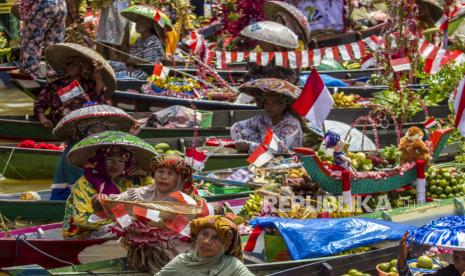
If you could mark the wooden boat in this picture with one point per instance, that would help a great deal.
(19, 247)
(320, 174)
(41, 163)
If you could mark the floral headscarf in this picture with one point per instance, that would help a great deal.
(226, 230)
(179, 165)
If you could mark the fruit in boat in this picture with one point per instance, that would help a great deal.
(445, 182)
(385, 267)
(392, 273)
(393, 263)
(162, 146)
(425, 262)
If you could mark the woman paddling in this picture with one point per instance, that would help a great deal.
(218, 250)
(150, 46)
(275, 96)
(113, 162)
(151, 247)
(88, 78)
(74, 127)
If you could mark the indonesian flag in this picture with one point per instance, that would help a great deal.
(315, 102)
(196, 159)
(145, 213)
(256, 241)
(459, 106)
(180, 225)
(368, 61)
(160, 71)
(260, 156)
(195, 42)
(271, 140)
(431, 122)
(443, 22)
(158, 19)
(434, 63)
(183, 198)
(70, 91)
(401, 64)
(122, 217)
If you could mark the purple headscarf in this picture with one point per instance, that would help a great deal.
(96, 174)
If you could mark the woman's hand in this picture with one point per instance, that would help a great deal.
(98, 69)
(45, 121)
(242, 147)
(403, 252)
(97, 202)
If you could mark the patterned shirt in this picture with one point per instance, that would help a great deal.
(49, 99)
(79, 206)
(254, 129)
(150, 49)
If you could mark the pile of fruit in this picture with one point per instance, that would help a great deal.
(252, 207)
(355, 272)
(342, 100)
(425, 262)
(357, 250)
(164, 148)
(360, 161)
(348, 65)
(389, 268)
(444, 183)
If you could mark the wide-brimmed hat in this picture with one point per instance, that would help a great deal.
(446, 232)
(115, 117)
(58, 55)
(273, 33)
(270, 86)
(159, 18)
(299, 21)
(142, 152)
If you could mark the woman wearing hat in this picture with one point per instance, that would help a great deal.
(218, 250)
(150, 46)
(109, 159)
(270, 37)
(74, 127)
(275, 96)
(87, 78)
(147, 244)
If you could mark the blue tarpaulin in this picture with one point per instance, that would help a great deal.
(443, 232)
(313, 238)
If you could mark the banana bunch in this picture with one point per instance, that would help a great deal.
(342, 100)
(298, 212)
(351, 66)
(331, 203)
(252, 206)
(296, 173)
(357, 250)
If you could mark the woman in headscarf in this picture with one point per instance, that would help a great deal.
(74, 127)
(276, 97)
(149, 247)
(150, 46)
(113, 162)
(218, 250)
(87, 79)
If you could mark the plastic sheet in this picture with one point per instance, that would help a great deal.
(313, 238)
(444, 232)
(327, 80)
(175, 116)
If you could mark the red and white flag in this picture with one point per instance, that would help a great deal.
(260, 156)
(431, 122)
(443, 22)
(401, 64)
(315, 102)
(160, 71)
(70, 91)
(158, 19)
(196, 42)
(459, 106)
(256, 241)
(150, 214)
(434, 63)
(180, 225)
(271, 140)
(122, 217)
(368, 61)
(183, 198)
(196, 159)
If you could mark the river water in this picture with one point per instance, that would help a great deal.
(14, 102)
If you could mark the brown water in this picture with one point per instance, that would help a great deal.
(14, 102)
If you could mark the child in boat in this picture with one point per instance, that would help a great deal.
(109, 159)
(150, 248)
(218, 250)
(276, 97)
(455, 269)
(149, 47)
(94, 76)
(76, 126)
